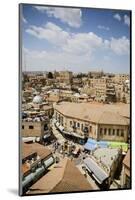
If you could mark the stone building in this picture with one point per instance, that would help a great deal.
(36, 159)
(34, 129)
(63, 77)
(98, 121)
(121, 78)
(104, 89)
(95, 74)
(126, 170)
(102, 165)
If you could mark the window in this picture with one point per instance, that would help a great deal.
(105, 131)
(31, 127)
(45, 127)
(22, 126)
(62, 120)
(90, 128)
(70, 123)
(117, 132)
(109, 131)
(82, 126)
(74, 124)
(113, 131)
(101, 130)
(122, 133)
(78, 125)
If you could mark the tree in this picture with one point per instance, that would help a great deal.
(50, 75)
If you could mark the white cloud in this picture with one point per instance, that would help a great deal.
(106, 44)
(79, 43)
(120, 46)
(71, 16)
(103, 27)
(51, 32)
(83, 43)
(127, 20)
(117, 17)
(43, 60)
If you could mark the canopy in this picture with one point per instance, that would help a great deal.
(91, 144)
(102, 144)
(77, 135)
(61, 128)
(47, 135)
(122, 145)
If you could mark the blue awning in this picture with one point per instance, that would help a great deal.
(102, 144)
(91, 144)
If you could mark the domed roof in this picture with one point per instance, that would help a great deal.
(37, 99)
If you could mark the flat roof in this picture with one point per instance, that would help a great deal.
(41, 150)
(106, 155)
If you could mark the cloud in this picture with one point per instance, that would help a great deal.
(73, 43)
(50, 32)
(78, 43)
(120, 46)
(127, 20)
(117, 17)
(24, 20)
(44, 60)
(40, 60)
(103, 27)
(83, 43)
(71, 16)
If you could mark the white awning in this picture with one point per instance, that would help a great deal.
(57, 124)
(29, 139)
(77, 135)
(37, 139)
(48, 162)
(61, 128)
(47, 135)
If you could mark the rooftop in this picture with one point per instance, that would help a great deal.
(98, 113)
(126, 160)
(41, 150)
(64, 177)
(106, 155)
(33, 150)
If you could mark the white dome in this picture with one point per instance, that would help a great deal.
(37, 99)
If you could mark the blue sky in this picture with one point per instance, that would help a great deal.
(81, 40)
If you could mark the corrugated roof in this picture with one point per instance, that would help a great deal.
(98, 172)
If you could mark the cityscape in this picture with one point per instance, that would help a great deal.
(75, 119)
